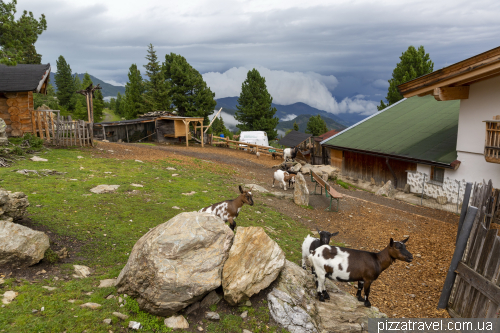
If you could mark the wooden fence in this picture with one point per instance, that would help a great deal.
(476, 291)
(62, 131)
(250, 147)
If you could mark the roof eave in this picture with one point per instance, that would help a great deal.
(395, 157)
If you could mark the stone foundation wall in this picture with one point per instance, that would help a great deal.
(449, 188)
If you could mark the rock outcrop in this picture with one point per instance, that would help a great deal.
(301, 192)
(293, 304)
(20, 245)
(3, 134)
(254, 262)
(176, 263)
(12, 205)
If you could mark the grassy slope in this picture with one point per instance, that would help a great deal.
(110, 224)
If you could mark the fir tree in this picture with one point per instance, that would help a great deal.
(133, 102)
(98, 105)
(119, 105)
(65, 83)
(316, 126)
(295, 126)
(255, 112)
(18, 37)
(156, 95)
(218, 126)
(414, 63)
(189, 92)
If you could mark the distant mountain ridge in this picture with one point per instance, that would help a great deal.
(346, 119)
(107, 89)
(302, 121)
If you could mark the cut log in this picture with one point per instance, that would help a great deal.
(12, 102)
(10, 94)
(13, 110)
(15, 119)
(16, 125)
(16, 132)
(4, 108)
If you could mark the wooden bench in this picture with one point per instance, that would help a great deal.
(330, 192)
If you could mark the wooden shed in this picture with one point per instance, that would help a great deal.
(17, 85)
(133, 130)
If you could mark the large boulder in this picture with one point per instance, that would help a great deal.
(12, 205)
(301, 192)
(21, 246)
(387, 190)
(306, 168)
(176, 263)
(293, 304)
(254, 262)
(3, 133)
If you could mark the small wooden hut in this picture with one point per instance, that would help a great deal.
(17, 85)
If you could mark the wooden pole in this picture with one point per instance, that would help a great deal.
(88, 106)
(211, 121)
(202, 134)
(40, 128)
(45, 118)
(126, 131)
(186, 126)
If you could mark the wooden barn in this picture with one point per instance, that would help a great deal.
(389, 144)
(17, 85)
(319, 153)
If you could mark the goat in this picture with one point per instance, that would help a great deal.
(282, 177)
(290, 153)
(257, 154)
(311, 244)
(347, 265)
(274, 155)
(228, 210)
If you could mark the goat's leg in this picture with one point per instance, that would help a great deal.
(274, 181)
(325, 294)
(358, 294)
(284, 185)
(304, 262)
(367, 285)
(232, 223)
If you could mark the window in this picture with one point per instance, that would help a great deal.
(437, 174)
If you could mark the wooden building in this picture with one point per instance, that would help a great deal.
(319, 153)
(17, 85)
(390, 144)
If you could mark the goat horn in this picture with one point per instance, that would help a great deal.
(318, 230)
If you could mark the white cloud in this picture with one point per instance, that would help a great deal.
(228, 119)
(380, 84)
(289, 117)
(115, 83)
(288, 88)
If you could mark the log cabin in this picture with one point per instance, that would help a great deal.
(17, 85)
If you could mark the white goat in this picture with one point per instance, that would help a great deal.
(282, 177)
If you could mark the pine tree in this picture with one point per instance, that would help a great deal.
(316, 126)
(156, 96)
(218, 126)
(295, 126)
(98, 105)
(18, 37)
(133, 102)
(119, 105)
(65, 83)
(188, 91)
(112, 104)
(255, 112)
(414, 63)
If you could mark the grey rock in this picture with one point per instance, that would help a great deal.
(246, 331)
(301, 192)
(120, 315)
(49, 288)
(110, 297)
(407, 188)
(293, 304)
(248, 303)
(3, 134)
(372, 181)
(442, 200)
(134, 325)
(13, 205)
(20, 245)
(282, 195)
(386, 190)
(107, 321)
(210, 299)
(81, 271)
(99, 189)
(296, 167)
(38, 159)
(9, 296)
(107, 283)
(254, 262)
(256, 188)
(306, 169)
(212, 316)
(176, 322)
(89, 305)
(244, 314)
(163, 263)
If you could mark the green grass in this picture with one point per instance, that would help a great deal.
(109, 115)
(108, 225)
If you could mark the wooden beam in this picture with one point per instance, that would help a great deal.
(202, 134)
(479, 282)
(451, 93)
(212, 120)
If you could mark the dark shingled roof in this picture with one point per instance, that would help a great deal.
(294, 138)
(22, 77)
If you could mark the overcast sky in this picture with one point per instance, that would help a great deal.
(334, 55)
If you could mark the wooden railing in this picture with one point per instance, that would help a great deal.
(492, 142)
(250, 147)
(49, 126)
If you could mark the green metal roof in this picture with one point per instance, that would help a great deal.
(415, 128)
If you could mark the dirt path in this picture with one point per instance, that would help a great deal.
(365, 222)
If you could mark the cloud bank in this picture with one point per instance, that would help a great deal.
(288, 88)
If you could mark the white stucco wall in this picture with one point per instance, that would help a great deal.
(450, 187)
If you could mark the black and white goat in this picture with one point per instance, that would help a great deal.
(347, 265)
(228, 210)
(310, 244)
(290, 153)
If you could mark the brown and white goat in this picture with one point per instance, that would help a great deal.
(311, 243)
(347, 265)
(228, 210)
(284, 176)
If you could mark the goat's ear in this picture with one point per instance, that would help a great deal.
(334, 234)
(404, 241)
(241, 190)
(391, 243)
(319, 231)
